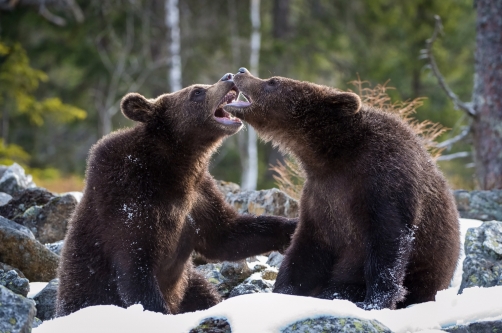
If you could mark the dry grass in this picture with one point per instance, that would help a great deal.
(61, 184)
(290, 177)
(378, 97)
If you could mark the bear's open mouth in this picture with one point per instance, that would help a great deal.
(221, 115)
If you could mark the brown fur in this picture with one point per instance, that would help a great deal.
(149, 201)
(378, 224)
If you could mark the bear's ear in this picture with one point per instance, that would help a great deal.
(346, 102)
(136, 107)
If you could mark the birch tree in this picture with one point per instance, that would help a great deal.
(173, 26)
(249, 155)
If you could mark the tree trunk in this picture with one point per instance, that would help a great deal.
(173, 25)
(280, 19)
(487, 95)
(250, 169)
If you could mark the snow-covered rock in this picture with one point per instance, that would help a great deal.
(336, 324)
(272, 313)
(212, 325)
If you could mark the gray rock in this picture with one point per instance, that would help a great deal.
(483, 256)
(269, 202)
(252, 285)
(4, 198)
(269, 273)
(275, 259)
(16, 312)
(480, 205)
(49, 222)
(212, 325)
(30, 197)
(19, 248)
(227, 187)
(7, 268)
(333, 324)
(14, 180)
(212, 273)
(46, 300)
(237, 271)
(12, 281)
(479, 327)
(244, 289)
(55, 247)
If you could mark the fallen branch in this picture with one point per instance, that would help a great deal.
(427, 54)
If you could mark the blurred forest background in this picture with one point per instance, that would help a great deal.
(65, 65)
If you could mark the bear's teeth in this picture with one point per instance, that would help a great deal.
(242, 98)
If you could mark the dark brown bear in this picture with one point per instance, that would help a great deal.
(149, 201)
(378, 224)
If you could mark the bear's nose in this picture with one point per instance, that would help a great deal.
(227, 77)
(243, 70)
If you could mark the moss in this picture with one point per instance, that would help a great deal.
(12, 321)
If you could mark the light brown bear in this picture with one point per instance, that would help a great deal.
(378, 223)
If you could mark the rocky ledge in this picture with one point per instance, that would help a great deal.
(33, 222)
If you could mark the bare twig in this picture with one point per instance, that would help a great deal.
(427, 54)
(44, 12)
(453, 156)
(76, 10)
(448, 143)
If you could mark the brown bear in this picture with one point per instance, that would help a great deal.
(149, 201)
(378, 224)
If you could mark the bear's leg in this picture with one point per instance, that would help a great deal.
(387, 256)
(199, 294)
(136, 282)
(305, 268)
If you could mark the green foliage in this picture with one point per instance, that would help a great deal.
(12, 153)
(18, 81)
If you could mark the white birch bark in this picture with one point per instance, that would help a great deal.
(173, 25)
(250, 169)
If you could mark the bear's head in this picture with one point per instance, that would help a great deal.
(291, 112)
(195, 112)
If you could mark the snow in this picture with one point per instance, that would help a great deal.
(35, 288)
(464, 225)
(265, 312)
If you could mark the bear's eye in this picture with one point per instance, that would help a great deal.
(197, 92)
(272, 82)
